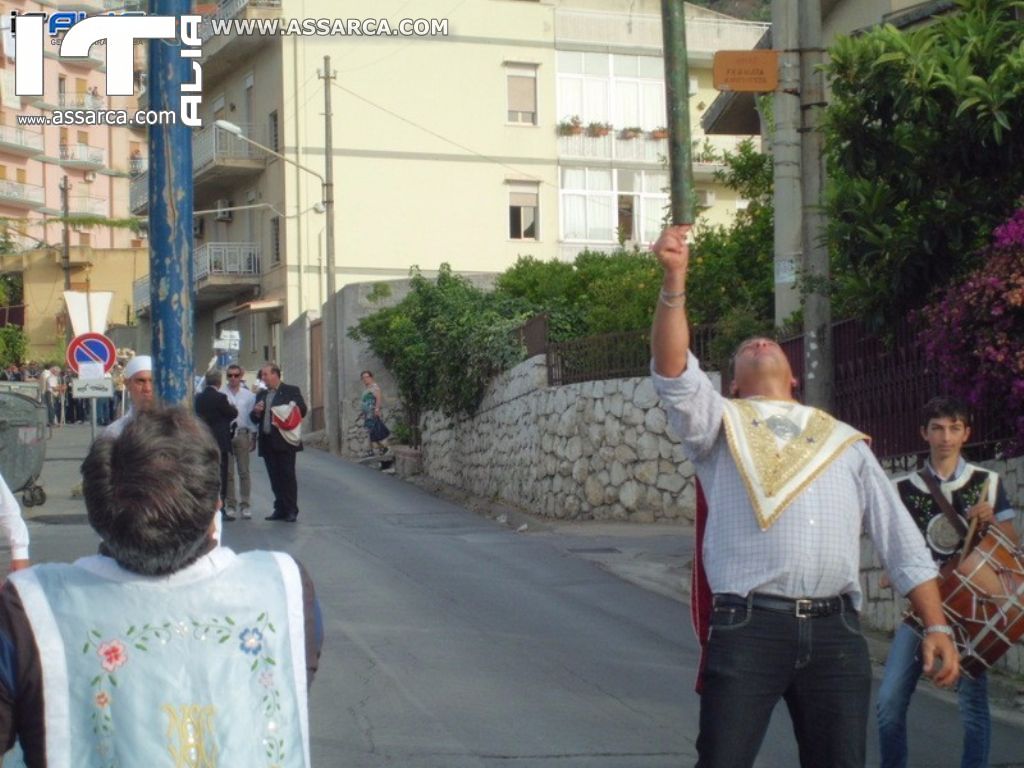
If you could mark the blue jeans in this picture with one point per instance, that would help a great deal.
(818, 666)
(902, 670)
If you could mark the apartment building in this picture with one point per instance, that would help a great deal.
(94, 163)
(448, 148)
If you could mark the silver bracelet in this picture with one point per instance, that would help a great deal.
(939, 629)
(678, 295)
(672, 305)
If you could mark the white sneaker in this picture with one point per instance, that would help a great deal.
(246, 514)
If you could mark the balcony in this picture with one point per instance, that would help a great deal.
(641, 150)
(223, 271)
(88, 101)
(83, 156)
(138, 165)
(224, 53)
(15, 140)
(703, 36)
(222, 159)
(87, 205)
(17, 194)
(138, 193)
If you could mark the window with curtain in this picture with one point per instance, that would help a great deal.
(521, 80)
(523, 211)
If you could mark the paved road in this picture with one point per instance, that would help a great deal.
(454, 642)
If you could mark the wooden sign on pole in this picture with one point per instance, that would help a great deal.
(746, 71)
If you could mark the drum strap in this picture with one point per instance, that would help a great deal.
(943, 502)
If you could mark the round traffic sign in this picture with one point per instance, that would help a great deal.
(91, 348)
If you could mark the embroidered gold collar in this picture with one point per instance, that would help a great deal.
(779, 447)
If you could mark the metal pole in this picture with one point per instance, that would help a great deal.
(171, 270)
(786, 159)
(677, 101)
(331, 366)
(818, 364)
(65, 188)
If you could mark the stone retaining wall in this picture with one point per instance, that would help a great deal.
(597, 450)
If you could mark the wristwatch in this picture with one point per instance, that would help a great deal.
(939, 629)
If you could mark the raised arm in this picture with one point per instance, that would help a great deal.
(670, 333)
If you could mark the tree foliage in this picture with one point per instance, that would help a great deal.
(925, 137)
(973, 332)
(13, 345)
(444, 342)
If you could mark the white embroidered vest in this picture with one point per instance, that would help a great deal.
(203, 668)
(779, 448)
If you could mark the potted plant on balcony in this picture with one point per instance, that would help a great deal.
(633, 132)
(596, 130)
(571, 127)
(659, 133)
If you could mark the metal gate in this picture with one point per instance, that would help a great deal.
(316, 375)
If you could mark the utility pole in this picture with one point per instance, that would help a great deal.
(331, 366)
(786, 158)
(677, 100)
(171, 269)
(818, 364)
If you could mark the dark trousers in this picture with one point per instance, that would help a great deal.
(281, 470)
(818, 666)
(225, 457)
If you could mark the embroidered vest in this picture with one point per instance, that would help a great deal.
(963, 493)
(184, 672)
(780, 448)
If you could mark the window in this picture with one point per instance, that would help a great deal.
(604, 206)
(522, 93)
(522, 211)
(623, 90)
(275, 240)
(272, 137)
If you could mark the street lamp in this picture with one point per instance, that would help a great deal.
(331, 364)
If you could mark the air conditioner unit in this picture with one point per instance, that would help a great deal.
(197, 228)
(90, 176)
(705, 198)
(223, 214)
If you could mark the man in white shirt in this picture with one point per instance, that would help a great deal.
(138, 380)
(242, 443)
(789, 489)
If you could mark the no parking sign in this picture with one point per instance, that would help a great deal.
(91, 348)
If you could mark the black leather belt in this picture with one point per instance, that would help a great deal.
(801, 607)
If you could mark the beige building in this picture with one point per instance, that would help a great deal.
(93, 162)
(446, 148)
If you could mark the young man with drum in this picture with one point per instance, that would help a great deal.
(973, 494)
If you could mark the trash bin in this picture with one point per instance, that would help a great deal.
(22, 445)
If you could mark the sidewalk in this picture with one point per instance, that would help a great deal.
(65, 451)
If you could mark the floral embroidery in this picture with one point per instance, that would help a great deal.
(252, 641)
(113, 655)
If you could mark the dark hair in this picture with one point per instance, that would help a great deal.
(234, 367)
(213, 378)
(366, 373)
(943, 407)
(152, 492)
(273, 368)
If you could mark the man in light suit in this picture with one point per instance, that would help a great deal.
(277, 450)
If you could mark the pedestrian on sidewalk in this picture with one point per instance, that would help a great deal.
(138, 378)
(372, 409)
(242, 443)
(165, 643)
(14, 527)
(214, 409)
(942, 499)
(279, 411)
(788, 489)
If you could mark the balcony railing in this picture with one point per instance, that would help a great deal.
(230, 10)
(83, 153)
(211, 144)
(140, 294)
(138, 165)
(644, 30)
(138, 192)
(81, 101)
(87, 205)
(227, 259)
(20, 192)
(21, 137)
(640, 149)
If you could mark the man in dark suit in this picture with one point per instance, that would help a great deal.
(213, 407)
(277, 447)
